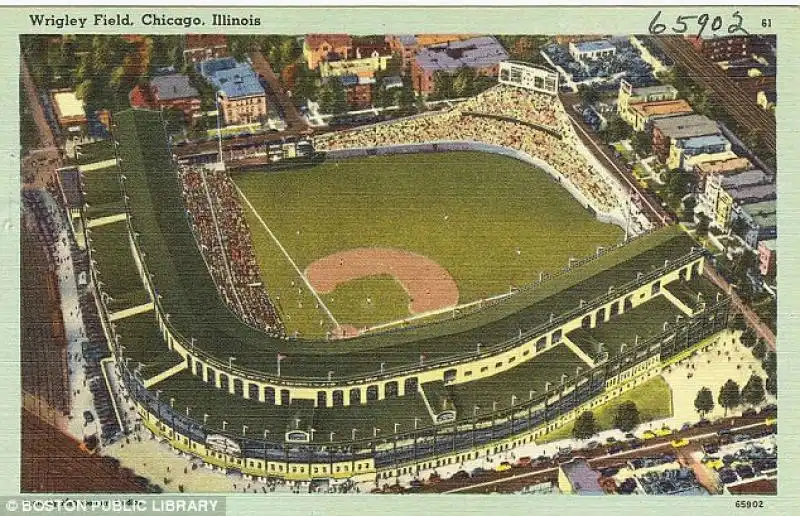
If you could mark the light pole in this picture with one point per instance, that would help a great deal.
(244, 429)
(530, 394)
(396, 426)
(332, 434)
(475, 410)
(224, 425)
(383, 365)
(330, 374)
(205, 418)
(375, 431)
(266, 433)
(187, 411)
(353, 434)
(172, 403)
(230, 362)
(312, 431)
(416, 420)
(513, 399)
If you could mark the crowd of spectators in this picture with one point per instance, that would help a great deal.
(221, 230)
(522, 111)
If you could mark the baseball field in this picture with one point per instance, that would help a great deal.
(356, 243)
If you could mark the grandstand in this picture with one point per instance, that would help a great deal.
(383, 406)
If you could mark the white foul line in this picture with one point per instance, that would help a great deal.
(286, 254)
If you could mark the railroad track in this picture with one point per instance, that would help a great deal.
(722, 88)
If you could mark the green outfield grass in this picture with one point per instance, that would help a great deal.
(491, 221)
(653, 399)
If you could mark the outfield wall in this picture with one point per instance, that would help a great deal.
(467, 145)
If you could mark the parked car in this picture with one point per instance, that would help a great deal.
(460, 475)
(523, 462)
(477, 472)
(88, 417)
(702, 422)
(738, 438)
(503, 466)
(591, 445)
(679, 443)
(710, 448)
(648, 435)
(434, 478)
(636, 443)
(749, 412)
(663, 431)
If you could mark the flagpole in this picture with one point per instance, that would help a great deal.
(279, 366)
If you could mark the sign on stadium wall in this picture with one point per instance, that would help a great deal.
(223, 444)
(528, 76)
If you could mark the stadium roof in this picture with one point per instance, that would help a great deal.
(71, 186)
(232, 78)
(594, 46)
(473, 53)
(190, 296)
(170, 87)
(679, 127)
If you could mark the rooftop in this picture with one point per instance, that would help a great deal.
(770, 244)
(687, 126)
(68, 105)
(744, 178)
(662, 108)
(594, 46)
(199, 41)
(700, 142)
(231, 77)
(314, 41)
(645, 91)
(750, 193)
(474, 53)
(169, 87)
(724, 166)
(584, 480)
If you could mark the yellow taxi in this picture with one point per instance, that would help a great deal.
(648, 435)
(662, 432)
(715, 463)
(770, 421)
(503, 466)
(679, 443)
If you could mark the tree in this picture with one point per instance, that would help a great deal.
(770, 363)
(333, 98)
(702, 225)
(641, 143)
(585, 426)
(627, 416)
(616, 129)
(748, 338)
(704, 402)
(406, 100)
(729, 396)
(464, 82)
(442, 86)
(772, 384)
(760, 349)
(753, 391)
(588, 94)
(688, 209)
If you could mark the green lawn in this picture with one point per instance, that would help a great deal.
(490, 221)
(653, 398)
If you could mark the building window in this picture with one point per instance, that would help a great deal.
(484, 369)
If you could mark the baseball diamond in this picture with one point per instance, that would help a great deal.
(512, 370)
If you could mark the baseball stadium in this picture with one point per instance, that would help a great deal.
(423, 291)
